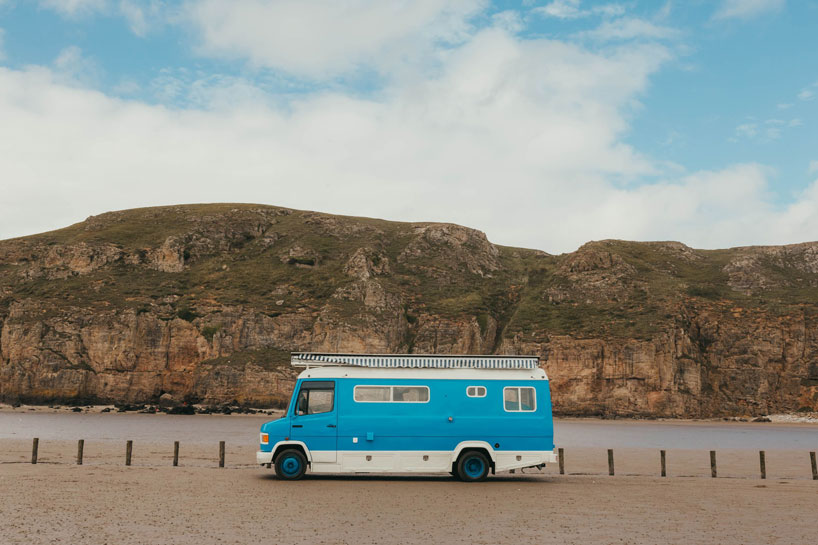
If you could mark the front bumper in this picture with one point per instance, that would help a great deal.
(264, 458)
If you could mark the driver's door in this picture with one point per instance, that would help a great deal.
(315, 419)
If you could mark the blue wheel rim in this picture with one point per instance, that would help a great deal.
(290, 466)
(474, 467)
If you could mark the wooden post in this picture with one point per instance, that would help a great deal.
(664, 467)
(221, 453)
(562, 461)
(175, 453)
(80, 447)
(762, 462)
(128, 452)
(610, 462)
(34, 446)
(814, 467)
(713, 472)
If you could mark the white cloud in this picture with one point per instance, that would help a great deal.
(326, 38)
(629, 28)
(127, 87)
(135, 15)
(206, 92)
(773, 133)
(714, 210)
(671, 138)
(571, 9)
(608, 10)
(2, 50)
(664, 11)
(539, 119)
(142, 15)
(813, 167)
(806, 94)
(509, 20)
(73, 8)
(747, 130)
(562, 9)
(771, 129)
(72, 67)
(747, 9)
(523, 138)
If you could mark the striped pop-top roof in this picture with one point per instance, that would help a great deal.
(418, 361)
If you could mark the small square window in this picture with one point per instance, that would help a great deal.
(476, 391)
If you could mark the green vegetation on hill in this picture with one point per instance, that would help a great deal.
(183, 261)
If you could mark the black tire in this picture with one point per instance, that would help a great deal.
(290, 465)
(473, 466)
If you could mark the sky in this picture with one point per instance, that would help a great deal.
(545, 124)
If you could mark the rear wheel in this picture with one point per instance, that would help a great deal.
(291, 465)
(472, 466)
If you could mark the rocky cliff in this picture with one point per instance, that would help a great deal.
(206, 301)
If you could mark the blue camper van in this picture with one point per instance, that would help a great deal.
(464, 415)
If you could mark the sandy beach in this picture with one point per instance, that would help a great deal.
(95, 504)
(102, 501)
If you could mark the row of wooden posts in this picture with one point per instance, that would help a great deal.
(128, 451)
(762, 459)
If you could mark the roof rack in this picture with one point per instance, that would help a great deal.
(416, 361)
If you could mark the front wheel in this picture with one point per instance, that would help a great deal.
(473, 466)
(291, 465)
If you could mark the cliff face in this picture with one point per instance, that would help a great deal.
(205, 302)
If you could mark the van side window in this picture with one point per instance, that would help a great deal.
(391, 394)
(519, 399)
(314, 401)
(410, 394)
(476, 391)
(373, 394)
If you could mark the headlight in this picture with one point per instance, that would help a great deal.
(264, 438)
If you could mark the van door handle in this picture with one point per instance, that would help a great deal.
(330, 425)
(298, 425)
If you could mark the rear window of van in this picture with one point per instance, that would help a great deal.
(519, 399)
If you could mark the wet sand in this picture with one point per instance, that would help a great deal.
(636, 444)
(97, 504)
(59, 424)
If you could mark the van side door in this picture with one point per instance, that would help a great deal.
(315, 419)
